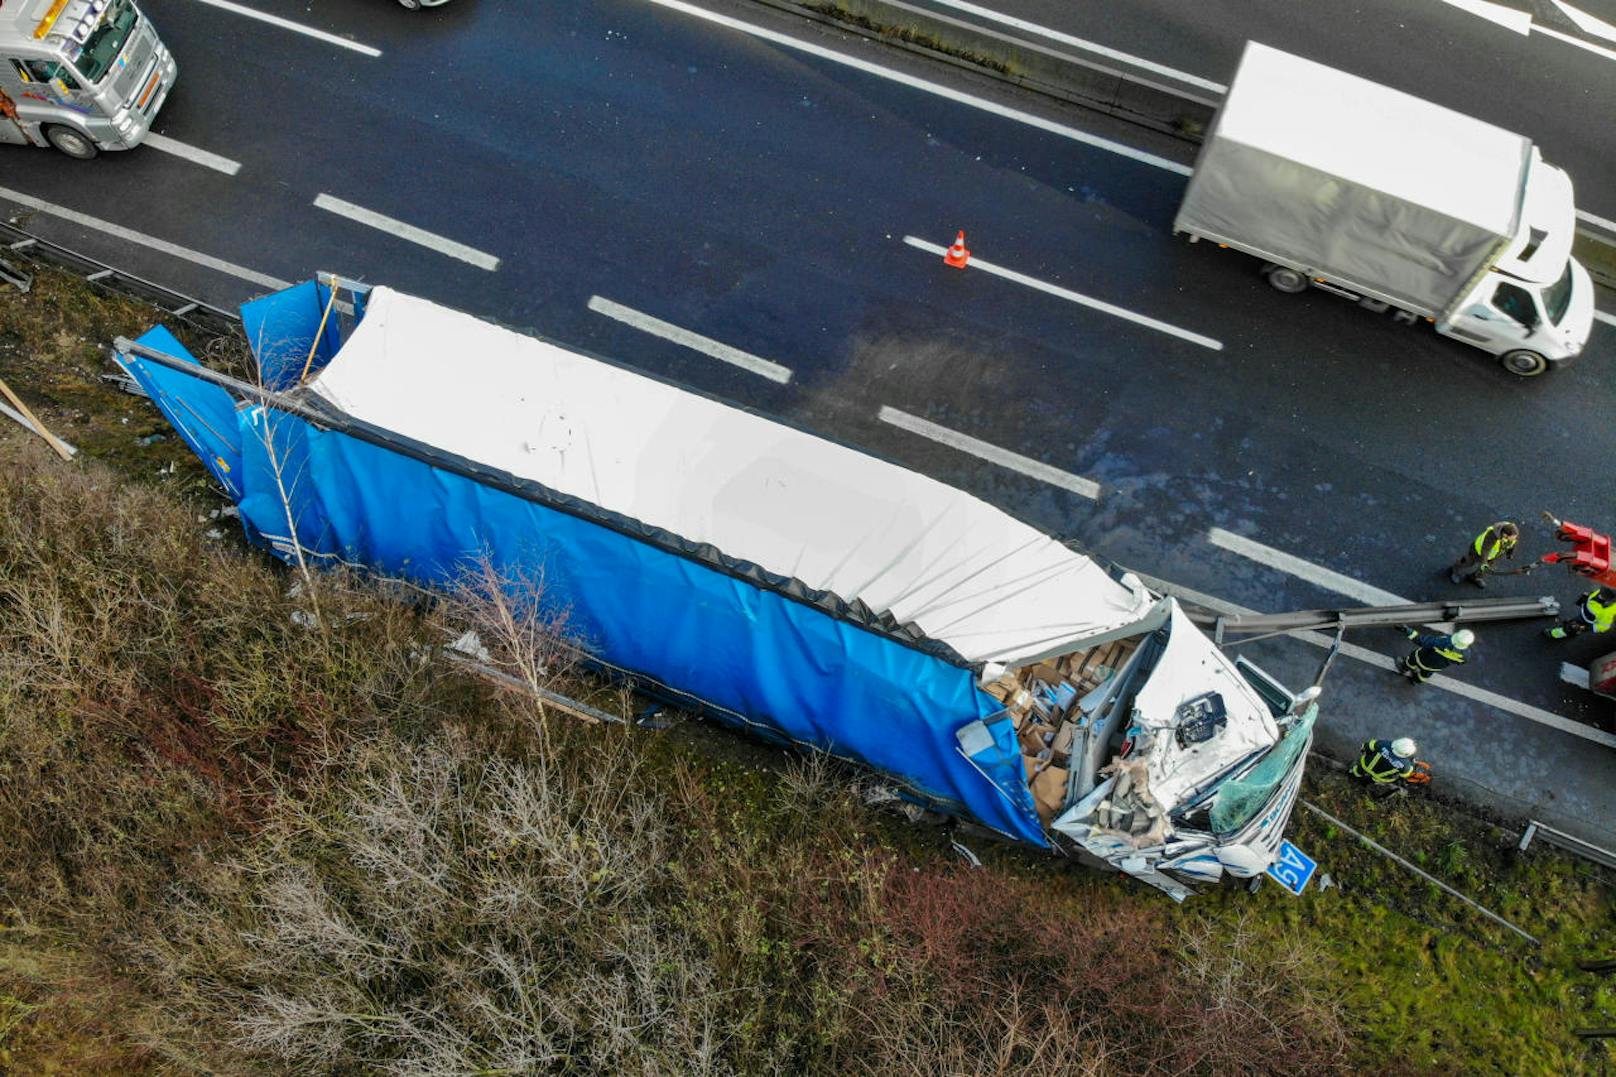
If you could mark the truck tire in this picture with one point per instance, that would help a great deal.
(1524, 362)
(75, 144)
(1287, 280)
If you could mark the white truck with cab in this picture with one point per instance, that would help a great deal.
(1345, 185)
(80, 75)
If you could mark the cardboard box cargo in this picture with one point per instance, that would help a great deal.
(1049, 792)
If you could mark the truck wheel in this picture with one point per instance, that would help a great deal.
(70, 142)
(1287, 280)
(413, 5)
(1528, 364)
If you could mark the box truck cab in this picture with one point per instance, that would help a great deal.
(80, 75)
(1535, 305)
(1396, 203)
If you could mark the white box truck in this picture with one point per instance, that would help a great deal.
(1361, 190)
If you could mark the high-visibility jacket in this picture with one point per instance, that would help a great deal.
(1437, 652)
(1600, 615)
(1489, 544)
(1380, 764)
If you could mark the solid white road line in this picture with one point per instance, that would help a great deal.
(1078, 42)
(1385, 662)
(288, 24)
(1598, 50)
(1608, 319)
(1077, 484)
(398, 228)
(1073, 297)
(1573, 674)
(684, 337)
(928, 87)
(1306, 570)
(192, 154)
(1605, 223)
(131, 236)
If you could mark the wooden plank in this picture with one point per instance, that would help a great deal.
(30, 420)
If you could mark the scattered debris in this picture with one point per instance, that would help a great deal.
(124, 383)
(970, 857)
(31, 421)
(150, 439)
(647, 719)
(18, 278)
(875, 793)
(471, 644)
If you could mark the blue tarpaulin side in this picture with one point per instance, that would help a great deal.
(203, 415)
(281, 328)
(756, 657)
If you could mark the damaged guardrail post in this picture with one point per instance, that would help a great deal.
(1428, 877)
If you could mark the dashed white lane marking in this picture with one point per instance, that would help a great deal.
(695, 341)
(1014, 461)
(396, 227)
(1608, 319)
(296, 27)
(1507, 17)
(192, 154)
(1385, 662)
(1326, 578)
(1073, 297)
(928, 87)
(1573, 674)
(129, 235)
(1080, 43)
(1587, 23)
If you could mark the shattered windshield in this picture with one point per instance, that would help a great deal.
(1240, 799)
(103, 44)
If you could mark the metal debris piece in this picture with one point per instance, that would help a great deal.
(970, 857)
(10, 274)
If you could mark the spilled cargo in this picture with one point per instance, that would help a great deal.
(761, 575)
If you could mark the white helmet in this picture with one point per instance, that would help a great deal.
(1463, 638)
(1404, 747)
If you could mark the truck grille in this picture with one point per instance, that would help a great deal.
(138, 54)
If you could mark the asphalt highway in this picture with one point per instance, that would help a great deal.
(759, 194)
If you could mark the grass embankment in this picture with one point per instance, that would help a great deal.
(233, 842)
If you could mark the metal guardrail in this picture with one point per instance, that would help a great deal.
(1053, 72)
(1569, 842)
(1147, 98)
(18, 244)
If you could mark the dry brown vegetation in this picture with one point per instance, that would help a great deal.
(235, 840)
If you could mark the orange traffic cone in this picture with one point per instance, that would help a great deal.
(957, 255)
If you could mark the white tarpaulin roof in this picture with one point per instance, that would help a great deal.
(962, 571)
(1376, 137)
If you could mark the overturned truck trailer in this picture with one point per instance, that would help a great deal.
(764, 576)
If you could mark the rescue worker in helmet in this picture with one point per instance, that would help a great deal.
(1382, 762)
(1434, 652)
(1596, 612)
